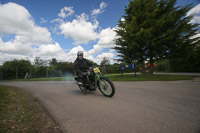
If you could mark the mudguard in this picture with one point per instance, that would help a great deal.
(104, 77)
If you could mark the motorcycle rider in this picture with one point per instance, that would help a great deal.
(81, 66)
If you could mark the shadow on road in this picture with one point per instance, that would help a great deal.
(78, 92)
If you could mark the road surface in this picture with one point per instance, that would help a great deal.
(137, 107)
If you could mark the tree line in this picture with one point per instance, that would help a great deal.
(18, 69)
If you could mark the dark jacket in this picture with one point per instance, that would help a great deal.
(81, 66)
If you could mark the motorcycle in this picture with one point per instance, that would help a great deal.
(95, 79)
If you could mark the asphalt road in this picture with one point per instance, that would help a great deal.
(137, 107)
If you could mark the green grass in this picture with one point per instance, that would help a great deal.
(117, 77)
(147, 77)
(3, 97)
(20, 112)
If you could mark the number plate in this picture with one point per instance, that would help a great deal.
(96, 70)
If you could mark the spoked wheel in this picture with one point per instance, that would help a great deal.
(106, 87)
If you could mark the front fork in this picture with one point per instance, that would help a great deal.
(97, 79)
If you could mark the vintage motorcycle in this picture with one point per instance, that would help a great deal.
(95, 79)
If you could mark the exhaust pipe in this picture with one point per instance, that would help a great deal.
(78, 83)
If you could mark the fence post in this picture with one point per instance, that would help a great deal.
(16, 73)
(47, 73)
(30, 72)
(1, 75)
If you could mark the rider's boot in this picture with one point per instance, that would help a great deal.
(84, 90)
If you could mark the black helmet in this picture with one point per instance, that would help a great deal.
(80, 53)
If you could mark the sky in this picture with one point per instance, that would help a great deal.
(60, 28)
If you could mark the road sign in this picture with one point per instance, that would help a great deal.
(128, 66)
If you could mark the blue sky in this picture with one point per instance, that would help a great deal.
(60, 28)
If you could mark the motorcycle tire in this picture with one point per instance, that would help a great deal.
(106, 87)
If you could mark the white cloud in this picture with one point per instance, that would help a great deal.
(50, 49)
(99, 10)
(72, 54)
(6, 57)
(27, 36)
(122, 19)
(31, 40)
(196, 12)
(80, 29)
(106, 40)
(103, 5)
(16, 19)
(42, 20)
(12, 16)
(109, 55)
(65, 12)
(15, 47)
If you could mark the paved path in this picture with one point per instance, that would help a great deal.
(137, 107)
(181, 73)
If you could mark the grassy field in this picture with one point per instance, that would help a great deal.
(20, 112)
(147, 77)
(117, 77)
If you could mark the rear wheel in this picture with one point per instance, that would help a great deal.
(106, 87)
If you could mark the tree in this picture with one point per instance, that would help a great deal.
(153, 30)
(16, 68)
(38, 62)
(53, 62)
(40, 68)
(186, 60)
(104, 63)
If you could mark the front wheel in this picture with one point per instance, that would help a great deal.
(106, 87)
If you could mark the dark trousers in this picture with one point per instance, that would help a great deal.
(83, 79)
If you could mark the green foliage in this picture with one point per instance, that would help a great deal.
(154, 30)
(186, 60)
(163, 65)
(94, 63)
(19, 112)
(38, 62)
(105, 61)
(60, 69)
(147, 77)
(3, 96)
(16, 67)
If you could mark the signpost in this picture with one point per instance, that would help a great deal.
(129, 66)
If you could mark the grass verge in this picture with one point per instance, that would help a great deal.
(45, 79)
(147, 77)
(20, 112)
(117, 77)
